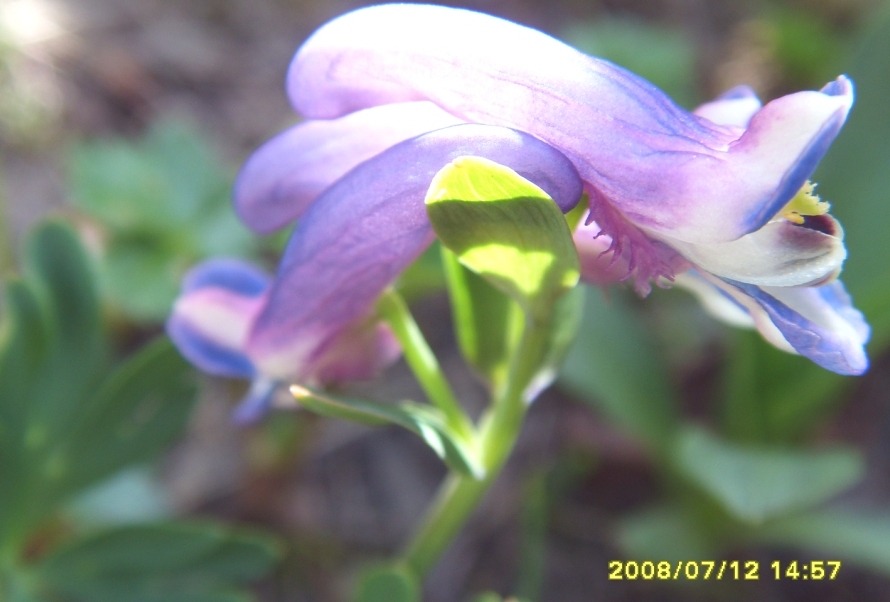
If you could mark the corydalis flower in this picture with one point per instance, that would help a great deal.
(701, 198)
(669, 189)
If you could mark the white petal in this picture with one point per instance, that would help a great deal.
(779, 254)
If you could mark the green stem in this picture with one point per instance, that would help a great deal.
(423, 362)
(459, 494)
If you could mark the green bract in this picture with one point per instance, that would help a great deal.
(429, 423)
(505, 229)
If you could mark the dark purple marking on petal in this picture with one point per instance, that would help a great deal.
(820, 223)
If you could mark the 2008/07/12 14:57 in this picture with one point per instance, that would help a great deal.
(748, 570)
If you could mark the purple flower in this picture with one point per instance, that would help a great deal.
(717, 200)
(313, 323)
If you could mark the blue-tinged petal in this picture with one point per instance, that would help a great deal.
(256, 402)
(800, 126)
(215, 312)
(734, 107)
(357, 237)
(213, 315)
(234, 275)
(819, 322)
(674, 173)
(283, 176)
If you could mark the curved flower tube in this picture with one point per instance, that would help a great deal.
(312, 323)
(717, 189)
(665, 170)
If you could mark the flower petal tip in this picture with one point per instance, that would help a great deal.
(256, 403)
(213, 315)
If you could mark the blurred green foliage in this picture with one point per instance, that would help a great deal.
(664, 56)
(162, 205)
(806, 48)
(69, 419)
(615, 361)
(387, 584)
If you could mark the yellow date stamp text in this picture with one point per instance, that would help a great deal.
(722, 570)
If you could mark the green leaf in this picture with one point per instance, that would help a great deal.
(60, 273)
(166, 180)
(388, 584)
(853, 178)
(51, 356)
(132, 417)
(160, 563)
(164, 204)
(858, 537)
(563, 327)
(23, 349)
(486, 321)
(505, 229)
(756, 483)
(425, 421)
(614, 365)
(61, 427)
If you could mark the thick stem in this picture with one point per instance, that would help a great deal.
(500, 426)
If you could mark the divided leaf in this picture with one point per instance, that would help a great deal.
(169, 562)
(62, 428)
(163, 203)
(755, 483)
(133, 416)
(51, 356)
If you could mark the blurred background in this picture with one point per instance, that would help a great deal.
(668, 436)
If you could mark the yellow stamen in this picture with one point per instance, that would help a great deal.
(804, 203)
